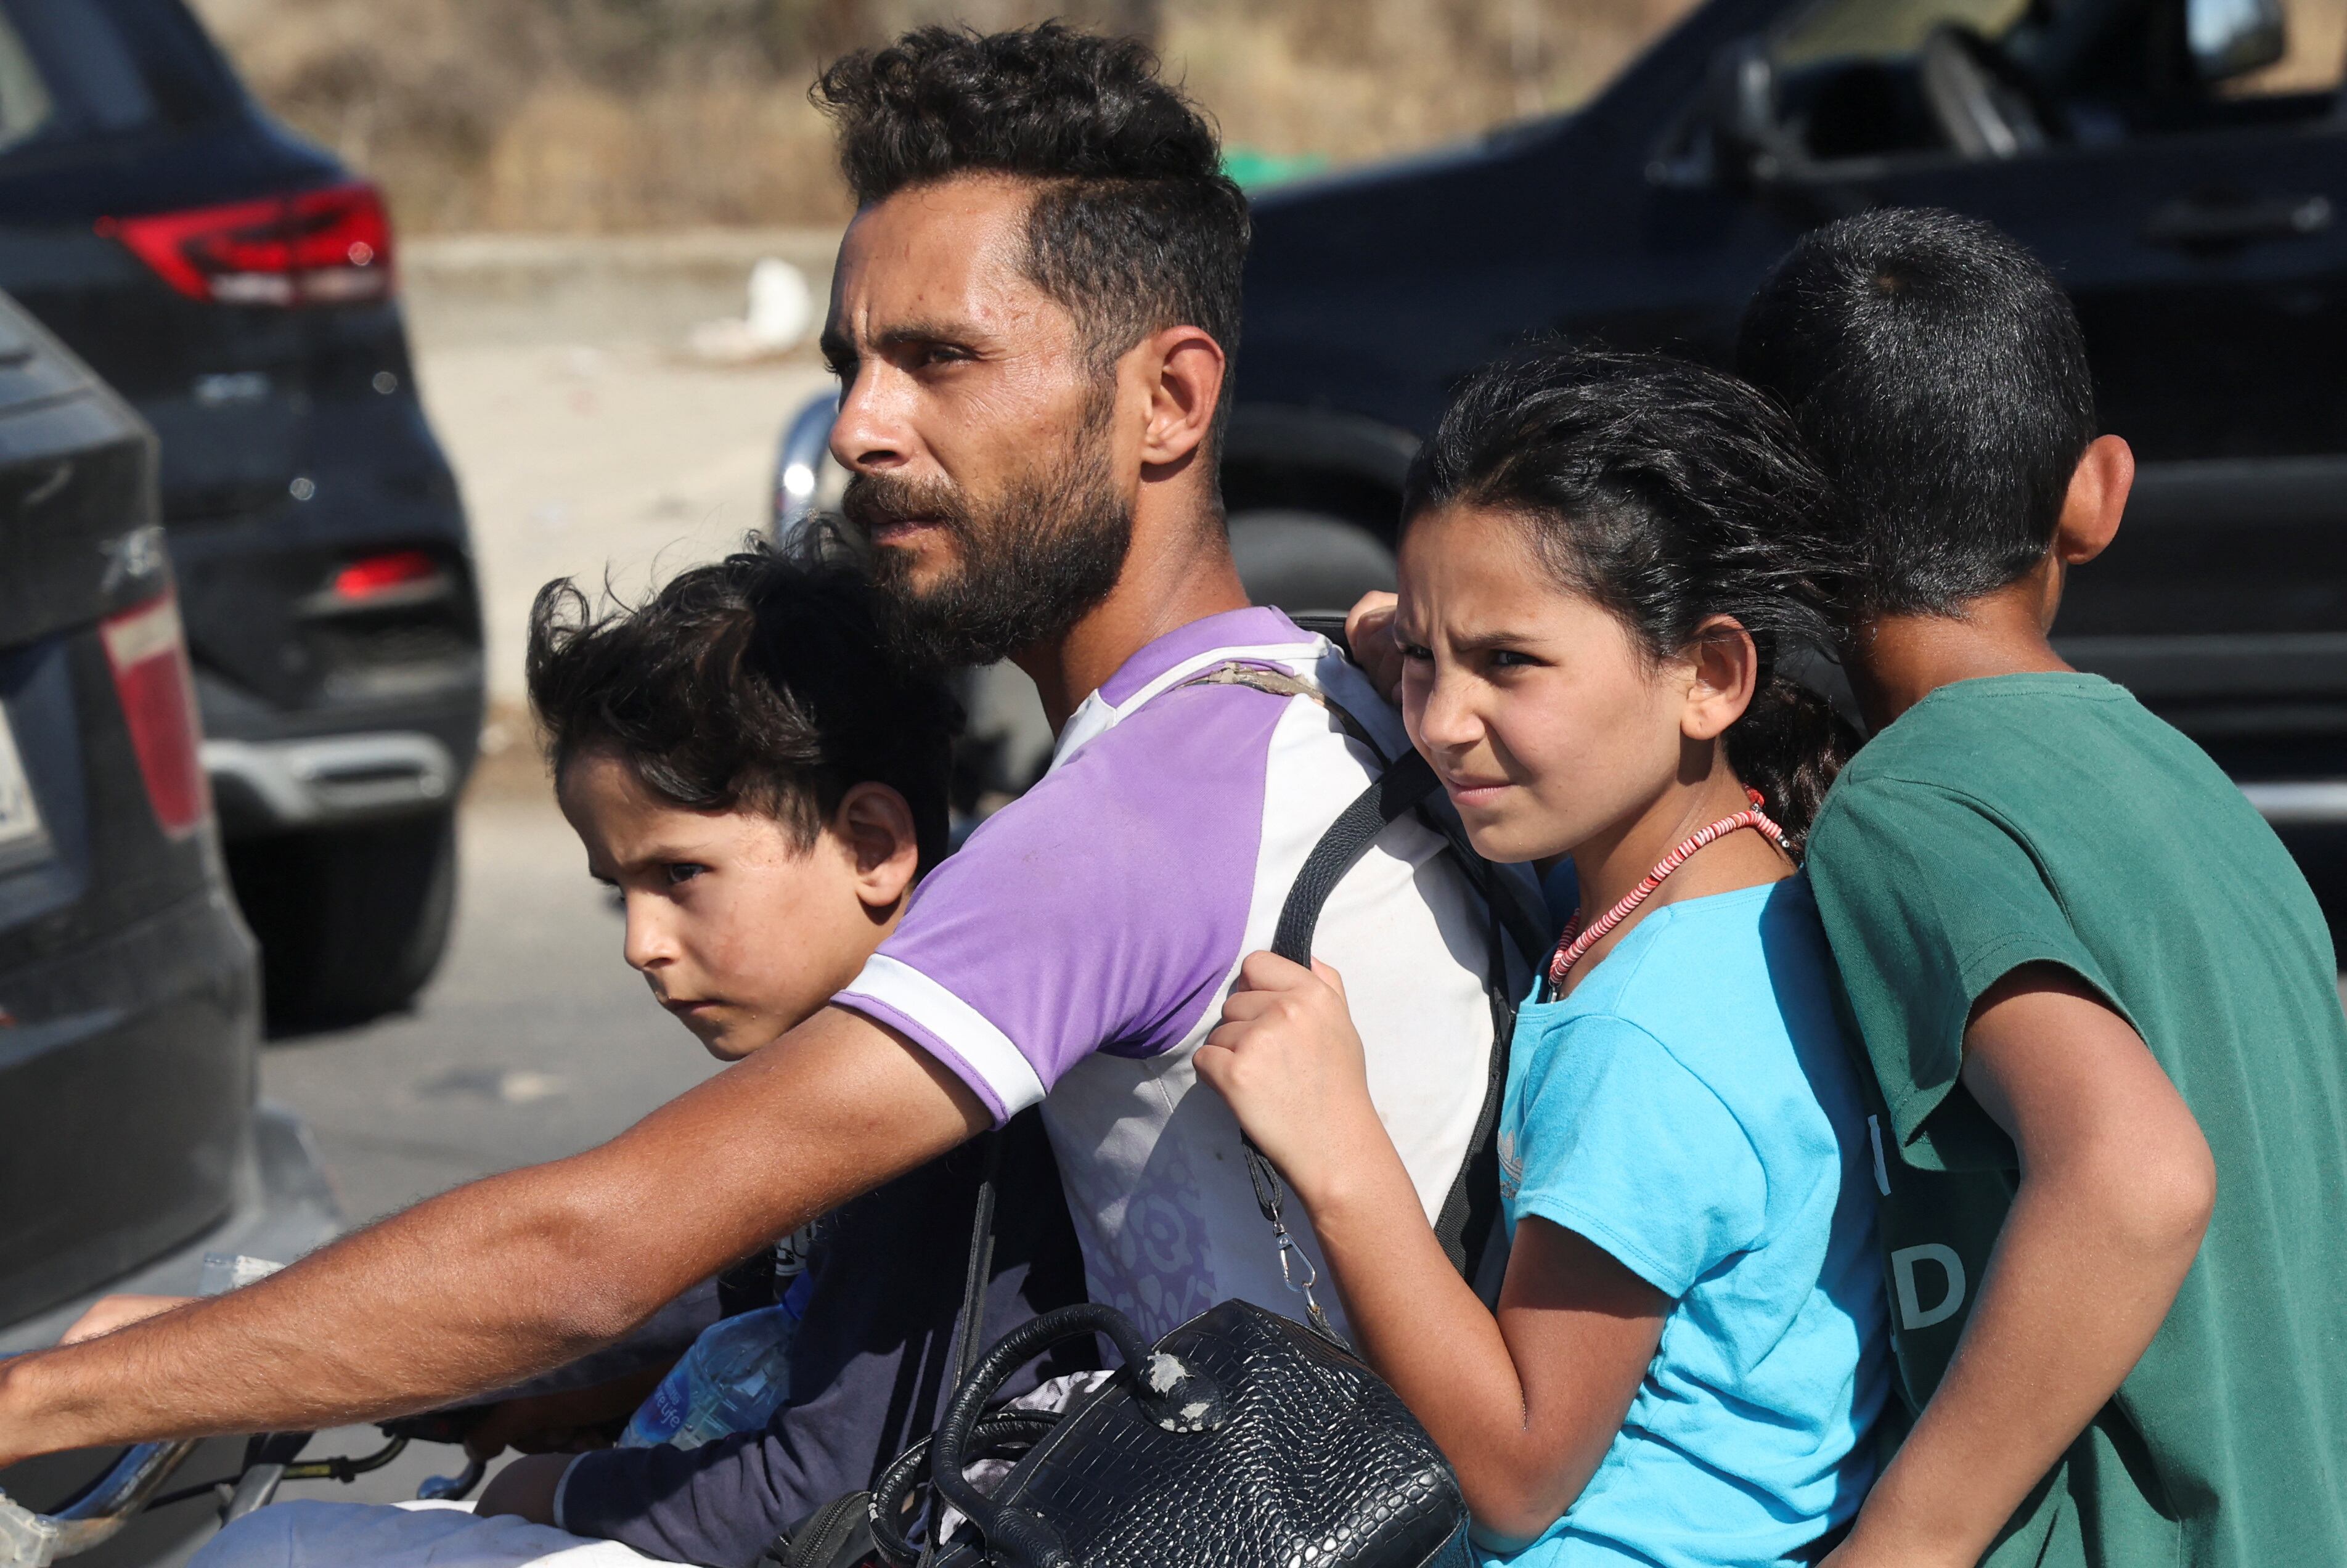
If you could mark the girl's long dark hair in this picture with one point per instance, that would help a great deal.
(1668, 494)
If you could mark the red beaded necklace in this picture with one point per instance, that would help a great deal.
(1576, 942)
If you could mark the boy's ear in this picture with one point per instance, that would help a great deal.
(876, 825)
(2097, 499)
(1727, 670)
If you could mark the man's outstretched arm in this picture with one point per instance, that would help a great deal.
(497, 1280)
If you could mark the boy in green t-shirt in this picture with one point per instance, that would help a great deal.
(2100, 1003)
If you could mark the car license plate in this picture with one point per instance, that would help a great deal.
(23, 838)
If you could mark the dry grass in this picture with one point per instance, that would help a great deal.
(617, 115)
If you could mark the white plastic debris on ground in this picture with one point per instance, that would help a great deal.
(781, 310)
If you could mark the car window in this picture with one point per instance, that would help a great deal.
(1885, 29)
(2005, 78)
(77, 71)
(2314, 56)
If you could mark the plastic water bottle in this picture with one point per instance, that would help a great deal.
(733, 1379)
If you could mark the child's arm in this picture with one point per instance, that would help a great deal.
(1523, 1407)
(2117, 1187)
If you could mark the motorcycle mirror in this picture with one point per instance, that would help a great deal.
(1748, 141)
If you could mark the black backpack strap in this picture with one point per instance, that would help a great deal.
(1469, 1215)
(1396, 792)
(1469, 1218)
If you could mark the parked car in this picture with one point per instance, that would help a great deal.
(237, 286)
(131, 1145)
(2181, 164)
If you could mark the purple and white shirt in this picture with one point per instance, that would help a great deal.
(1077, 949)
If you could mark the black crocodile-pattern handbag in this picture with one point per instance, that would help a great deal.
(1241, 1439)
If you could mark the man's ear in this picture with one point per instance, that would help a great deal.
(1184, 368)
(874, 825)
(1725, 669)
(2097, 499)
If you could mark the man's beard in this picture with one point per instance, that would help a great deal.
(1033, 562)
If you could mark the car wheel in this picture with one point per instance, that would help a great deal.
(1308, 560)
(351, 922)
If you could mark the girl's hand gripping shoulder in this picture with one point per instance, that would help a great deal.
(1287, 1059)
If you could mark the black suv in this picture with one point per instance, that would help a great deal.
(129, 1011)
(236, 285)
(2190, 194)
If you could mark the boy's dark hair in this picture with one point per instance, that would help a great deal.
(758, 682)
(1134, 228)
(1938, 372)
(1667, 494)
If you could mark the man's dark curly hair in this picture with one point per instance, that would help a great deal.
(1135, 229)
(759, 682)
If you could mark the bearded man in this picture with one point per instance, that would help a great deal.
(1032, 319)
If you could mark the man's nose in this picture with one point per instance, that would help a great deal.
(870, 433)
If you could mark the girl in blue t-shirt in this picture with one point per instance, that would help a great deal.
(1608, 564)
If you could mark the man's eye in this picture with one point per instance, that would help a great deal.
(1416, 651)
(682, 871)
(1510, 659)
(939, 354)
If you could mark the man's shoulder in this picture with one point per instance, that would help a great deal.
(1188, 758)
(1157, 818)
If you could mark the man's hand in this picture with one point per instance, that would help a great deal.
(526, 1488)
(1370, 633)
(484, 1286)
(108, 1313)
(572, 1421)
(2116, 1190)
(1289, 1060)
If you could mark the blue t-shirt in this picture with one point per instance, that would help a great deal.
(1692, 1109)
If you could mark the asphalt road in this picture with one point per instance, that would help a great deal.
(534, 1041)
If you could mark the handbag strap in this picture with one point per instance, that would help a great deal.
(1178, 1398)
(969, 1323)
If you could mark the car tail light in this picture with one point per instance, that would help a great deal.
(148, 653)
(376, 574)
(315, 248)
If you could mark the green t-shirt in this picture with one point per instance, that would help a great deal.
(2051, 819)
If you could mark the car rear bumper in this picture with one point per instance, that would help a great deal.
(274, 786)
(2300, 803)
(284, 1206)
(275, 772)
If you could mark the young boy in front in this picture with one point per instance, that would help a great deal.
(2099, 1001)
(762, 785)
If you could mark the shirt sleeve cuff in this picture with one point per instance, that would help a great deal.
(892, 992)
(562, 1491)
(1607, 1237)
